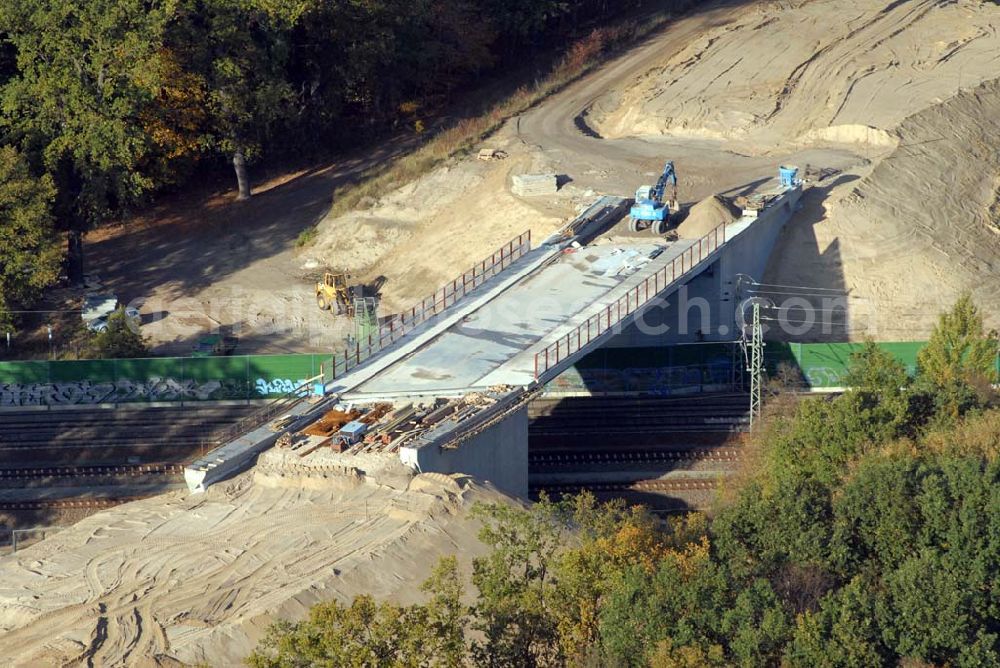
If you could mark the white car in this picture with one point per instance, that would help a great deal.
(101, 324)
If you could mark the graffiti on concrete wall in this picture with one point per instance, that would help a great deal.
(821, 376)
(277, 386)
(121, 391)
(153, 389)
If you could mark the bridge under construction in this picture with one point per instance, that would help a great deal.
(444, 387)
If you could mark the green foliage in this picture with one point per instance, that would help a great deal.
(515, 583)
(29, 255)
(764, 530)
(116, 99)
(121, 339)
(87, 73)
(239, 53)
(367, 633)
(683, 601)
(959, 361)
(446, 615)
(869, 537)
(960, 348)
(928, 529)
(842, 634)
(306, 237)
(362, 634)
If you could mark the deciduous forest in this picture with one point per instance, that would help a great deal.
(104, 103)
(864, 532)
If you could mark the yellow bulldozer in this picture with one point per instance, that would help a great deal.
(335, 291)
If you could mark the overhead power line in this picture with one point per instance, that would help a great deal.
(796, 287)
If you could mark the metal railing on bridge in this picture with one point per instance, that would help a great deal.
(397, 326)
(602, 322)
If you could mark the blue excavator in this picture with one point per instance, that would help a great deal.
(650, 209)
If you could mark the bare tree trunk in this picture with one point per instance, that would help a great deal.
(242, 180)
(74, 257)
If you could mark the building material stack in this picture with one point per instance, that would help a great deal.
(529, 185)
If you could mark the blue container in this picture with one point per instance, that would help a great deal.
(788, 175)
(353, 431)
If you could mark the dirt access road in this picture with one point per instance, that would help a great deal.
(562, 129)
(864, 90)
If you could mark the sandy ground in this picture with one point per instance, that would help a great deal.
(846, 71)
(197, 579)
(914, 222)
(429, 232)
(917, 231)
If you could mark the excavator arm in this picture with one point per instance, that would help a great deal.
(668, 176)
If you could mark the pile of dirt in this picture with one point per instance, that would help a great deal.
(836, 71)
(706, 215)
(424, 234)
(196, 579)
(907, 86)
(907, 239)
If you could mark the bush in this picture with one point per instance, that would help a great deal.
(121, 339)
(307, 237)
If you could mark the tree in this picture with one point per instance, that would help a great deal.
(237, 53)
(960, 348)
(121, 339)
(446, 616)
(842, 634)
(516, 585)
(87, 73)
(782, 535)
(756, 626)
(822, 436)
(878, 393)
(611, 539)
(367, 633)
(682, 602)
(29, 255)
(922, 532)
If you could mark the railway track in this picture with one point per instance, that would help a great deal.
(548, 459)
(82, 439)
(553, 406)
(67, 504)
(676, 485)
(128, 470)
(131, 422)
(627, 420)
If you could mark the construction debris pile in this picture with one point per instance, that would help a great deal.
(354, 429)
(623, 261)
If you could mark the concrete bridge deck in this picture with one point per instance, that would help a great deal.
(558, 302)
(495, 343)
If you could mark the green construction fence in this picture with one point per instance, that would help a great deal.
(715, 366)
(239, 377)
(659, 370)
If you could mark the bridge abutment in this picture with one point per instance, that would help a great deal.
(498, 454)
